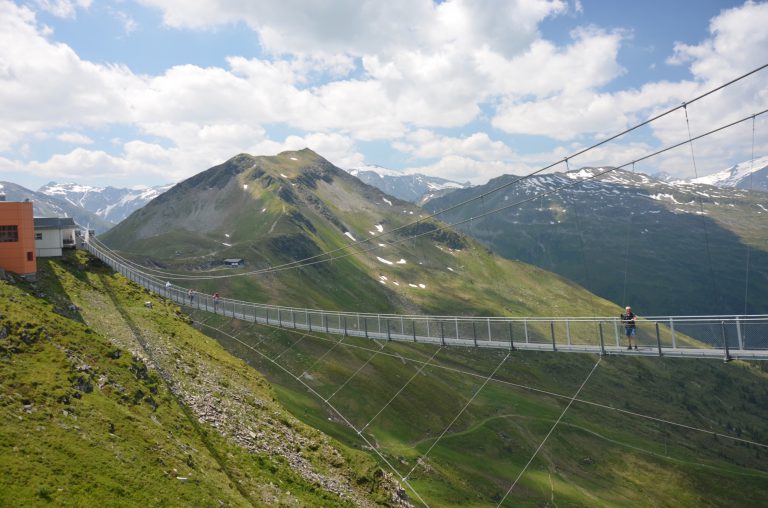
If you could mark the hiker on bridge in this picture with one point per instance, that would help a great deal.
(191, 295)
(215, 301)
(629, 319)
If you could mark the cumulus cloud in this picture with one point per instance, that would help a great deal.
(76, 138)
(365, 70)
(428, 145)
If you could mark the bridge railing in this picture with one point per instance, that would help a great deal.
(728, 336)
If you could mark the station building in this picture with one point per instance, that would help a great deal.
(17, 237)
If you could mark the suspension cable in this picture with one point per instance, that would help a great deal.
(440, 227)
(715, 290)
(301, 262)
(751, 182)
(525, 468)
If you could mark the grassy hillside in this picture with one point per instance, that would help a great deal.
(597, 456)
(112, 402)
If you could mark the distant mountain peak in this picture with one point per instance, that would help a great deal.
(751, 174)
(413, 187)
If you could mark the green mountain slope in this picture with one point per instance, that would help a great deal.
(631, 239)
(599, 455)
(112, 402)
(275, 210)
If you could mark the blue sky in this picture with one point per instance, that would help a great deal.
(132, 93)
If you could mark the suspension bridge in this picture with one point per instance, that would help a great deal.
(726, 337)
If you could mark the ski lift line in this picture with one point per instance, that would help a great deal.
(551, 430)
(447, 428)
(517, 180)
(314, 392)
(402, 388)
(302, 263)
(547, 392)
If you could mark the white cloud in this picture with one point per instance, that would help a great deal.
(62, 8)
(76, 138)
(458, 168)
(428, 145)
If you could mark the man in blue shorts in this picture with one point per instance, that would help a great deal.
(629, 318)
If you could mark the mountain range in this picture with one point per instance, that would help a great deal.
(51, 206)
(416, 187)
(110, 203)
(667, 248)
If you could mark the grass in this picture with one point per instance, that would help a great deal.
(596, 457)
(87, 415)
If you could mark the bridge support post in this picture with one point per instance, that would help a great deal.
(738, 333)
(309, 321)
(489, 330)
(552, 331)
(413, 329)
(279, 318)
(616, 332)
(345, 326)
(325, 321)
(293, 318)
(266, 311)
(658, 337)
(389, 334)
(511, 337)
(474, 333)
(365, 325)
(442, 333)
(672, 329)
(568, 331)
(525, 326)
(602, 341)
(725, 342)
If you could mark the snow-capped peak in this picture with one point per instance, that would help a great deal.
(735, 175)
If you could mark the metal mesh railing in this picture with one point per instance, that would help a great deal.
(704, 336)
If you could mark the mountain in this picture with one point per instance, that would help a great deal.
(630, 238)
(276, 210)
(415, 188)
(110, 203)
(751, 175)
(51, 206)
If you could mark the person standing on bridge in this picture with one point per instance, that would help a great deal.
(629, 319)
(216, 302)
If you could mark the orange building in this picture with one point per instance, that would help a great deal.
(17, 238)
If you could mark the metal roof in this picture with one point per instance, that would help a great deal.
(55, 223)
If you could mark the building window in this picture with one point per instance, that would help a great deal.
(9, 234)
(38, 236)
(30, 256)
